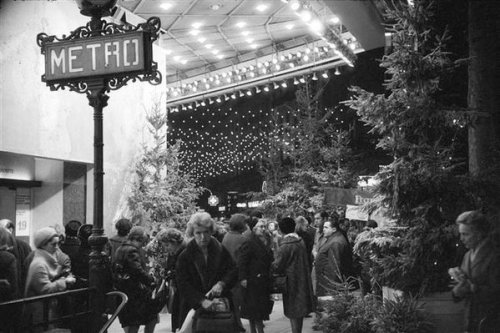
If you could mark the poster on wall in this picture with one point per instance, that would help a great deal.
(23, 212)
(355, 213)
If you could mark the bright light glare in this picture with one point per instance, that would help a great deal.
(241, 24)
(261, 7)
(166, 6)
(306, 15)
(335, 20)
(316, 26)
(295, 4)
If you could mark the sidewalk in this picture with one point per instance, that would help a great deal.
(278, 323)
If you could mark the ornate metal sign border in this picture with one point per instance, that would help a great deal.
(98, 27)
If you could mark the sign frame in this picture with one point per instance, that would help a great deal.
(102, 30)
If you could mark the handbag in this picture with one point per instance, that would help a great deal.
(219, 318)
(278, 284)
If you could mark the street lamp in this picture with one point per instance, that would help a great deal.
(99, 8)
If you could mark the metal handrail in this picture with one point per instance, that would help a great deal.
(124, 300)
(45, 299)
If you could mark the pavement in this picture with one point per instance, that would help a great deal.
(277, 323)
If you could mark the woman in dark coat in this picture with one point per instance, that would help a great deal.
(254, 267)
(292, 260)
(130, 278)
(172, 242)
(205, 268)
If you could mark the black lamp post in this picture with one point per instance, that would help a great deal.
(96, 76)
(99, 265)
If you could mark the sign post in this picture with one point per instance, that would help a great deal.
(93, 60)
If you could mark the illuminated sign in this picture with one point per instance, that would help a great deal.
(100, 56)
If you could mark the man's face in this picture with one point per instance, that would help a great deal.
(469, 236)
(327, 229)
(202, 236)
(317, 220)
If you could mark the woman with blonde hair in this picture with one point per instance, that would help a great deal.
(205, 268)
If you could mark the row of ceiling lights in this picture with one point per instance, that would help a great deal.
(278, 63)
(250, 92)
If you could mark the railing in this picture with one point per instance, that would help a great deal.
(123, 301)
(67, 309)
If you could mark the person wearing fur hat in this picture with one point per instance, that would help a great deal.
(45, 273)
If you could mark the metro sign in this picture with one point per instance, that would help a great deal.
(103, 56)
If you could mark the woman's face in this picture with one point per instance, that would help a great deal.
(52, 246)
(327, 229)
(202, 236)
(259, 228)
(133, 259)
(170, 247)
(271, 227)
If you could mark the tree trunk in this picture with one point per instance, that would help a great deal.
(484, 82)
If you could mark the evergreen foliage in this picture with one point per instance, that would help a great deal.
(307, 151)
(162, 194)
(425, 187)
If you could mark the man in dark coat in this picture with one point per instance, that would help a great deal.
(333, 262)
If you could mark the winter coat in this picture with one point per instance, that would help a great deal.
(70, 246)
(308, 238)
(9, 290)
(484, 274)
(232, 242)
(21, 251)
(254, 265)
(44, 278)
(333, 263)
(292, 260)
(43, 275)
(138, 286)
(195, 277)
(113, 244)
(172, 282)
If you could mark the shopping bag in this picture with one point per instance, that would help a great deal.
(187, 325)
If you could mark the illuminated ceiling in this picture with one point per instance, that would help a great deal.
(215, 46)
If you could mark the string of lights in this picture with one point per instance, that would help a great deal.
(312, 59)
(284, 84)
(219, 141)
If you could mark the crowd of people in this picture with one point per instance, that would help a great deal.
(236, 260)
